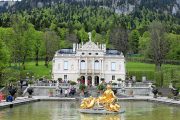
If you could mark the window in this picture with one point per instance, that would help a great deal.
(65, 77)
(82, 53)
(83, 64)
(89, 53)
(113, 77)
(96, 65)
(113, 66)
(59, 66)
(96, 53)
(65, 65)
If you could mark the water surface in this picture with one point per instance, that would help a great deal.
(58, 110)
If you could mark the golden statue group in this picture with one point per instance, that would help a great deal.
(107, 101)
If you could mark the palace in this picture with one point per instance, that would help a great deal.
(90, 62)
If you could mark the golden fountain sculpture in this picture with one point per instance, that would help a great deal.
(107, 101)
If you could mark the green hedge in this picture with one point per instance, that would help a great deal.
(149, 75)
(163, 77)
(159, 78)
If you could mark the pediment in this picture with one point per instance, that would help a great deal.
(90, 46)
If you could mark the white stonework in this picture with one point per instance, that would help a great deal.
(89, 61)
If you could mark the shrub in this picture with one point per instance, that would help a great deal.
(79, 79)
(40, 79)
(72, 83)
(82, 87)
(30, 82)
(26, 73)
(60, 79)
(170, 95)
(114, 83)
(101, 87)
(119, 79)
(102, 79)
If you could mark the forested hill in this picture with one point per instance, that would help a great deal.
(120, 6)
(48, 25)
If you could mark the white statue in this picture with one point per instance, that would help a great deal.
(90, 35)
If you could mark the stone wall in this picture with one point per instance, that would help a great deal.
(143, 91)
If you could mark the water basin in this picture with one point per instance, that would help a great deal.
(61, 110)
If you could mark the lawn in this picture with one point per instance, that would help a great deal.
(137, 66)
(39, 70)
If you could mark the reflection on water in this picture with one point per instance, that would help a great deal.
(99, 117)
(58, 110)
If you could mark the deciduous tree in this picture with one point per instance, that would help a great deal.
(119, 39)
(51, 41)
(159, 45)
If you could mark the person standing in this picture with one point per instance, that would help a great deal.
(1, 96)
(61, 91)
(66, 92)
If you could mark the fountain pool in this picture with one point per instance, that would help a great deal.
(62, 110)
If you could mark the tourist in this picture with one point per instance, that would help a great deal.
(69, 91)
(123, 89)
(73, 90)
(61, 91)
(50, 83)
(1, 96)
(66, 92)
(9, 98)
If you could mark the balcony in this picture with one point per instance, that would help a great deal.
(89, 71)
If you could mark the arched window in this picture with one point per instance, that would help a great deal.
(83, 64)
(96, 65)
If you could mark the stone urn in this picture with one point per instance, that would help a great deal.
(12, 92)
(175, 93)
(30, 91)
(155, 91)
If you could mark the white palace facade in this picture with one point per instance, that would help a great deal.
(90, 62)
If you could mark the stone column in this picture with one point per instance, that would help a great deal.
(79, 66)
(86, 80)
(102, 68)
(93, 80)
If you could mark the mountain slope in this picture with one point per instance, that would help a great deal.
(120, 6)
